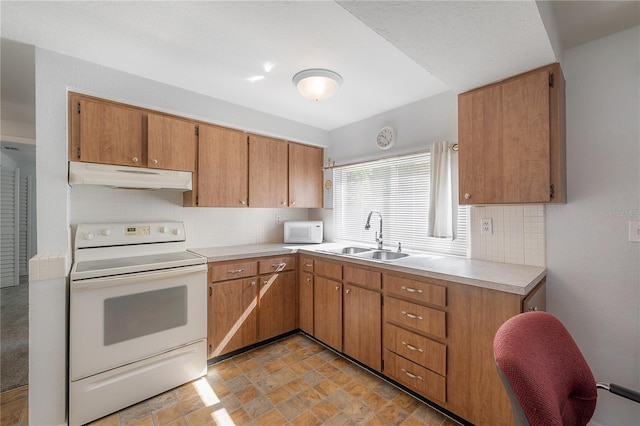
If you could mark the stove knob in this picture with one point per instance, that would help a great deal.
(163, 229)
(106, 232)
(89, 236)
(176, 231)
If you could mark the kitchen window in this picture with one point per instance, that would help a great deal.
(399, 189)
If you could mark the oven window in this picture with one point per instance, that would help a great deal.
(136, 315)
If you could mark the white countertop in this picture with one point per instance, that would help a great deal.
(510, 278)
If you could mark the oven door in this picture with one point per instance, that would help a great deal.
(121, 319)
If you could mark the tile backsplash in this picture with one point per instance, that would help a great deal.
(205, 227)
(518, 234)
(518, 231)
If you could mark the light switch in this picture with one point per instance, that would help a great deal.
(634, 232)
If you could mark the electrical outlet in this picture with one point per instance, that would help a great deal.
(277, 218)
(634, 232)
(487, 226)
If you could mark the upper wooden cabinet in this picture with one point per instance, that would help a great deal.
(511, 138)
(268, 172)
(112, 133)
(172, 143)
(223, 172)
(305, 176)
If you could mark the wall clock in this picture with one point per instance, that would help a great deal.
(386, 137)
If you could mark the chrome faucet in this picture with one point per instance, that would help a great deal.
(368, 226)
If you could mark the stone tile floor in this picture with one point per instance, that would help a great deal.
(292, 381)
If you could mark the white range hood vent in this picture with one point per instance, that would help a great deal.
(128, 177)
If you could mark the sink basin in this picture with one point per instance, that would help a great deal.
(382, 255)
(351, 250)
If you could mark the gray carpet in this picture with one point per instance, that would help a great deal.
(14, 336)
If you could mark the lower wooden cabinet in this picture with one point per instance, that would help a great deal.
(327, 311)
(232, 315)
(362, 330)
(432, 336)
(277, 301)
(252, 309)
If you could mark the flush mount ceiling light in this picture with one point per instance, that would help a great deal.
(317, 83)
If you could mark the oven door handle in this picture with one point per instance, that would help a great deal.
(135, 278)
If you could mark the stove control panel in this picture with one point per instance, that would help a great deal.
(138, 231)
(116, 234)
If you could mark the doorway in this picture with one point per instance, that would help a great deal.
(17, 243)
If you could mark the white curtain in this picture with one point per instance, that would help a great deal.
(441, 205)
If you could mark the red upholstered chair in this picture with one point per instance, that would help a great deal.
(547, 378)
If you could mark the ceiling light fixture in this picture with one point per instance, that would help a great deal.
(317, 83)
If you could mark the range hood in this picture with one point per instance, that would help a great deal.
(127, 177)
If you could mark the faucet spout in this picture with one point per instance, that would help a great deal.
(378, 234)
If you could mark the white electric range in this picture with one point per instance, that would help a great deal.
(137, 316)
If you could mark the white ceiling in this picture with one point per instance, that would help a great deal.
(389, 53)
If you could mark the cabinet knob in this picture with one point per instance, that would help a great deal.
(533, 308)
(283, 203)
(308, 280)
(243, 202)
(337, 287)
(154, 161)
(293, 203)
(347, 291)
(135, 159)
(253, 283)
(467, 196)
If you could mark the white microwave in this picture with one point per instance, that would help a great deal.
(303, 232)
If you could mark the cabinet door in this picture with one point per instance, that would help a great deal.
(171, 143)
(305, 176)
(268, 174)
(222, 167)
(232, 315)
(277, 304)
(109, 134)
(327, 312)
(305, 303)
(504, 140)
(363, 326)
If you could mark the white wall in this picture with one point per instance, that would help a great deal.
(594, 272)
(418, 125)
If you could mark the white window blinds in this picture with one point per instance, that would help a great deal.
(399, 189)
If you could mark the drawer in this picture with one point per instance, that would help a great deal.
(419, 349)
(422, 318)
(328, 269)
(363, 277)
(232, 270)
(306, 263)
(270, 265)
(415, 377)
(419, 291)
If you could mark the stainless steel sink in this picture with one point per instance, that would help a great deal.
(350, 250)
(382, 255)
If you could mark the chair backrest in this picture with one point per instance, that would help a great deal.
(545, 373)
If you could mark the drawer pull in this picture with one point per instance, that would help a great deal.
(411, 347)
(308, 265)
(279, 266)
(413, 376)
(412, 316)
(235, 271)
(411, 290)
